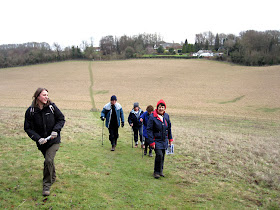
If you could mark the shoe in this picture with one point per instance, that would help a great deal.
(145, 152)
(46, 193)
(151, 154)
(161, 174)
(113, 148)
(136, 145)
(143, 146)
(156, 176)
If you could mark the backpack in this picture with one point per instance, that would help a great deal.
(32, 110)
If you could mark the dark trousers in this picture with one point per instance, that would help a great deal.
(147, 145)
(49, 174)
(113, 135)
(137, 130)
(159, 161)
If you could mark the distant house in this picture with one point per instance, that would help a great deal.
(97, 49)
(205, 53)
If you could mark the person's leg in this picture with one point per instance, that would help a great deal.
(116, 136)
(158, 163)
(112, 136)
(146, 145)
(135, 131)
(141, 137)
(162, 161)
(49, 168)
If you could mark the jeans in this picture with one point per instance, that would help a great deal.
(49, 174)
(159, 161)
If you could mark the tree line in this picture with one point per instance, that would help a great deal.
(252, 48)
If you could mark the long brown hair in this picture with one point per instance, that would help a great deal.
(36, 95)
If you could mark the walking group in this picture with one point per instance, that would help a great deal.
(44, 121)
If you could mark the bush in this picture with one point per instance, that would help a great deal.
(129, 52)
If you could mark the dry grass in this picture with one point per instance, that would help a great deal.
(226, 147)
(187, 86)
(191, 86)
(68, 84)
(225, 118)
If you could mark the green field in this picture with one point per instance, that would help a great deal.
(225, 123)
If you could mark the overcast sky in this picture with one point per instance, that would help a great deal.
(71, 22)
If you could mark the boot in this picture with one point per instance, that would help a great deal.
(156, 176)
(46, 193)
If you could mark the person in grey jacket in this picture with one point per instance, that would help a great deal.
(113, 113)
(43, 123)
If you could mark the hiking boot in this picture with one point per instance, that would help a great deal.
(156, 176)
(46, 193)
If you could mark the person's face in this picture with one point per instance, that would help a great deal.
(161, 109)
(113, 102)
(136, 108)
(43, 97)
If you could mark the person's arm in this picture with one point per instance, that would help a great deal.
(28, 127)
(129, 119)
(59, 119)
(122, 117)
(150, 133)
(169, 132)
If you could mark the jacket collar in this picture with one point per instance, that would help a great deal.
(155, 113)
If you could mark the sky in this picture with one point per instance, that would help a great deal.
(70, 23)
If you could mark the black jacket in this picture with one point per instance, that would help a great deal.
(134, 118)
(40, 124)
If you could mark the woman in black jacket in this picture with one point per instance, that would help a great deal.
(133, 121)
(43, 123)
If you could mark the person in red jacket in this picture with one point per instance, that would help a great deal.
(159, 136)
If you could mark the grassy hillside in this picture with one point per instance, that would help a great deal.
(226, 144)
(219, 163)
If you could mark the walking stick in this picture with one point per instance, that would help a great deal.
(102, 132)
(131, 137)
(142, 142)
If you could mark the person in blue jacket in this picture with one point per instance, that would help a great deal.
(144, 119)
(113, 113)
(159, 136)
(133, 121)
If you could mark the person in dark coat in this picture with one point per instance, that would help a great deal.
(144, 119)
(43, 119)
(133, 121)
(113, 113)
(159, 136)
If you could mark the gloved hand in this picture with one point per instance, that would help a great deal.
(53, 135)
(102, 118)
(42, 141)
(122, 124)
